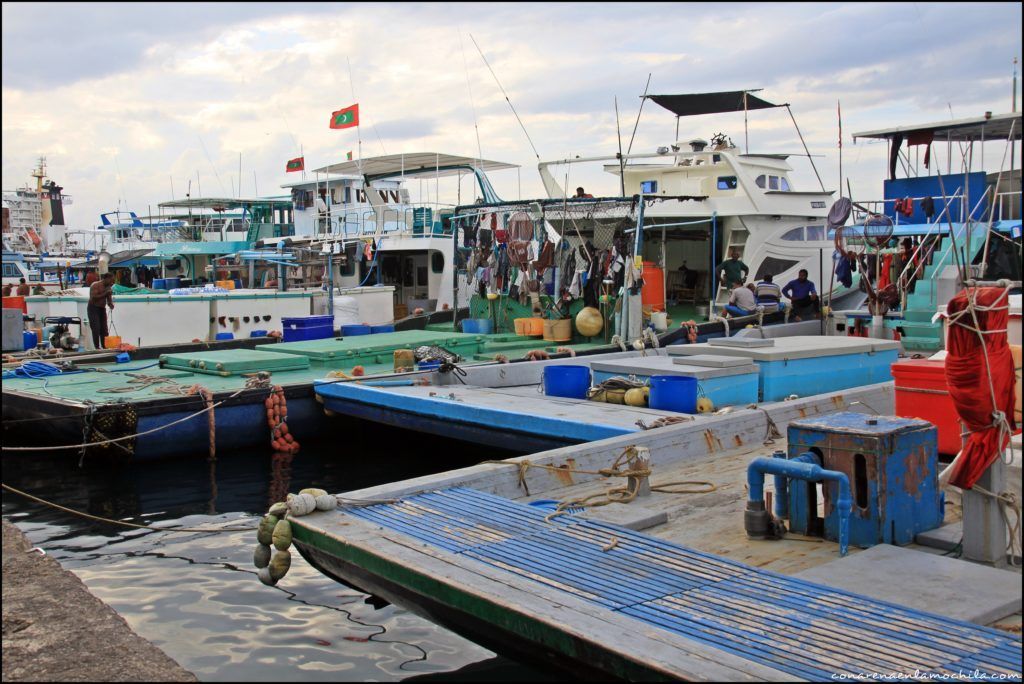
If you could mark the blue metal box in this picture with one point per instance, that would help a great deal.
(892, 464)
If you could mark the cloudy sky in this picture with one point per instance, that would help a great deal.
(128, 100)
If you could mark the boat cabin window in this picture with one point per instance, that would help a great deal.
(649, 187)
(11, 271)
(774, 266)
(716, 159)
(727, 182)
(815, 233)
(437, 262)
(773, 182)
(795, 235)
(761, 180)
(348, 195)
(783, 184)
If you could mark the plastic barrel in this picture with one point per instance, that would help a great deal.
(28, 339)
(376, 329)
(673, 393)
(477, 326)
(350, 330)
(522, 326)
(567, 381)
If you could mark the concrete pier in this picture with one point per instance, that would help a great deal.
(55, 630)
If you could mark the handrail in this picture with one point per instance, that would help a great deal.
(901, 279)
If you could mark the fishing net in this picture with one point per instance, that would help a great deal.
(877, 230)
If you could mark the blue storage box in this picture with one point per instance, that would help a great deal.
(172, 283)
(725, 380)
(805, 365)
(225, 336)
(377, 329)
(321, 332)
(258, 333)
(298, 322)
(160, 284)
(352, 330)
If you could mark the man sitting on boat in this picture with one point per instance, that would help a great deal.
(101, 295)
(735, 270)
(769, 295)
(802, 295)
(741, 302)
(581, 193)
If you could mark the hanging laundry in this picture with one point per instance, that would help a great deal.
(844, 272)
(884, 279)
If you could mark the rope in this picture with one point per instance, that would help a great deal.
(662, 422)
(111, 521)
(126, 437)
(137, 382)
(1007, 502)
(626, 465)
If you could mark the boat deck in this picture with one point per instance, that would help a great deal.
(795, 627)
(115, 383)
(665, 586)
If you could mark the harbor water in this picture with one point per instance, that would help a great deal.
(196, 596)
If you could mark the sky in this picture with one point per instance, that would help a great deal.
(132, 102)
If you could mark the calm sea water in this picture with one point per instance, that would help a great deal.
(197, 596)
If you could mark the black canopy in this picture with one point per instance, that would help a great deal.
(710, 103)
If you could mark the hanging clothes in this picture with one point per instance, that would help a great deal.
(844, 271)
(972, 382)
(884, 279)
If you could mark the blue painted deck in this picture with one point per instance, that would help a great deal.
(804, 629)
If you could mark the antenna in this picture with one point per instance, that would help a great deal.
(215, 174)
(472, 104)
(1013, 106)
(506, 96)
(622, 171)
(642, 101)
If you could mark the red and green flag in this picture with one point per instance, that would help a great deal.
(297, 164)
(349, 155)
(345, 118)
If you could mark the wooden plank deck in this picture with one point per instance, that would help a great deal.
(753, 618)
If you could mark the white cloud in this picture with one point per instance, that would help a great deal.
(263, 80)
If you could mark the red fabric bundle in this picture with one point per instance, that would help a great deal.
(968, 379)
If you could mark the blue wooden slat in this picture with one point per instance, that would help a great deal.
(799, 627)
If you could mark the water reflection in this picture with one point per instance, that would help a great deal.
(196, 596)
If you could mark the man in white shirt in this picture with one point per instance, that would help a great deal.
(741, 302)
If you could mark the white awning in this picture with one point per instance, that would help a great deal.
(412, 164)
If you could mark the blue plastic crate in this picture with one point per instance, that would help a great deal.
(300, 322)
(302, 334)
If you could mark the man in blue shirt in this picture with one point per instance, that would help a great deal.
(803, 296)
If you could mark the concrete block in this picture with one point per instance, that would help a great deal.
(924, 581)
(944, 538)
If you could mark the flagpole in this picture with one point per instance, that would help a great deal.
(303, 155)
(359, 133)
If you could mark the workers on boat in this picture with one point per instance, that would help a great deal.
(769, 295)
(803, 296)
(23, 289)
(581, 193)
(101, 295)
(91, 277)
(8, 289)
(742, 301)
(735, 270)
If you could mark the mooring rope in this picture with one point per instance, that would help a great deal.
(126, 437)
(100, 518)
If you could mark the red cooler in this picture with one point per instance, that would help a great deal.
(16, 303)
(921, 392)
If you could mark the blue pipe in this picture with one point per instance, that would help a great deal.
(801, 469)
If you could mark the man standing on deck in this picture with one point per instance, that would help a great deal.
(735, 270)
(23, 290)
(101, 295)
(803, 296)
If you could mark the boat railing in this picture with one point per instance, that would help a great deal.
(903, 280)
(406, 221)
(1007, 205)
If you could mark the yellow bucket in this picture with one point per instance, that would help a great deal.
(111, 341)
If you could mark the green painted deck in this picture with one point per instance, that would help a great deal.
(120, 382)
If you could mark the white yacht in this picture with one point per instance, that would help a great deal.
(714, 199)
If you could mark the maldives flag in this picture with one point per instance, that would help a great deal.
(345, 118)
(349, 156)
(297, 164)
